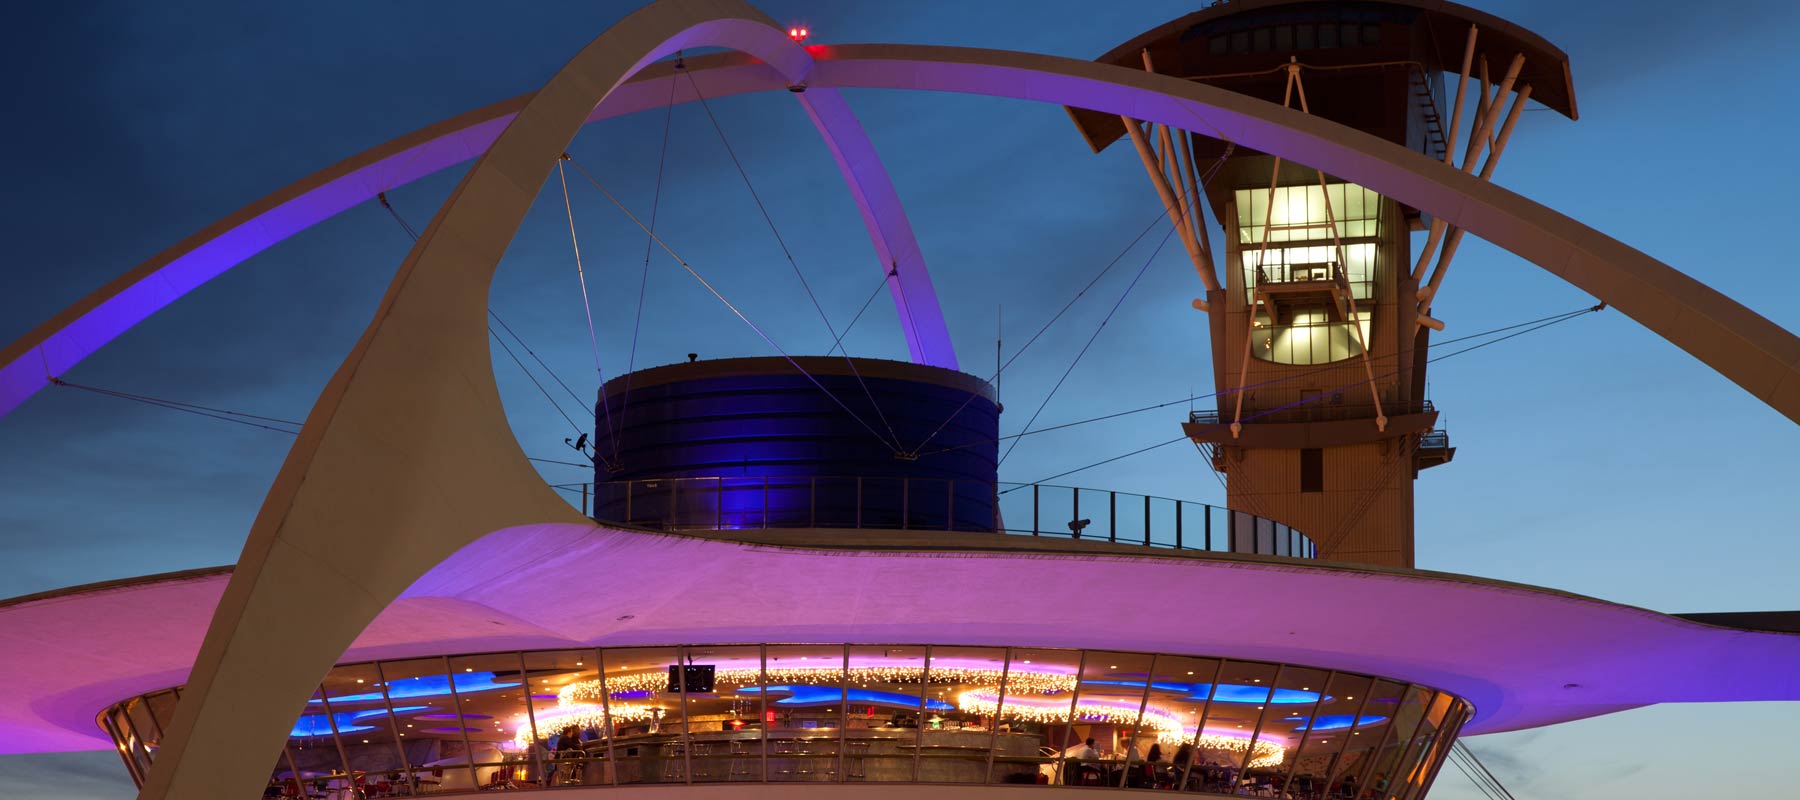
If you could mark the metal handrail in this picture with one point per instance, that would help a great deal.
(936, 504)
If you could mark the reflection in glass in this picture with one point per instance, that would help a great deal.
(370, 739)
(1376, 717)
(563, 740)
(885, 689)
(646, 715)
(805, 694)
(836, 713)
(725, 719)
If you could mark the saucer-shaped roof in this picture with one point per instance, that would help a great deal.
(1524, 656)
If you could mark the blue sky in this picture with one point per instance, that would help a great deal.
(1593, 457)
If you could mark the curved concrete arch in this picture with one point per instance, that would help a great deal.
(1735, 341)
(407, 456)
(373, 494)
(50, 349)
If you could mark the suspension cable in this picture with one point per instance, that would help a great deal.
(1321, 395)
(838, 340)
(1046, 326)
(221, 414)
(534, 381)
(1552, 320)
(891, 275)
(593, 338)
(721, 298)
(1094, 336)
(579, 403)
(637, 322)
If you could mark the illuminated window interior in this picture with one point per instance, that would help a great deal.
(1303, 248)
(1312, 338)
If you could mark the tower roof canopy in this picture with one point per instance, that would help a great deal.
(1440, 33)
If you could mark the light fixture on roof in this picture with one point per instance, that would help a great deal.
(798, 34)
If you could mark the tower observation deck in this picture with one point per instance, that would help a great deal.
(1318, 304)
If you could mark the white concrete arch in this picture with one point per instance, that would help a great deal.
(374, 493)
(407, 456)
(1736, 342)
(52, 348)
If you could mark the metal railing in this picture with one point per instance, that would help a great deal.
(935, 504)
(1319, 408)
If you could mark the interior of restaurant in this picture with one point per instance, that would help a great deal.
(898, 713)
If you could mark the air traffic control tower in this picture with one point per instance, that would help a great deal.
(1319, 301)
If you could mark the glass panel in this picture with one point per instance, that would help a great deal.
(1238, 704)
(490, 707)
(1279, 732)
(1396, 741)
(884, 689)
(955, 742)
(370, 742)
(1377, 717)
(430, 732)
(1178, 692)
(645, 715)
(806, 701)
(1326, 730)
(316, 751)
(725, 740)
(1112, 693)
(1038, 734)
(567, 703)
(1410, 773)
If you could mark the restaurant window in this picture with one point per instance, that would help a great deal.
(646, 715)
(1179, 689)
(1284, 37)
(1385, 773)
(564, 739)
(1364, 739)
(1312, 469)
(1240, 43)
(1304, 38)
(725, 718)
(489, 696)
(1410, 773)
(1217, 45)
(805, 693)
(1324, 731)
(1112, 695)
(886, 696)
(370, 736)
(1041, 697)
(1259, 40)
(956, 738)
(1328, 35)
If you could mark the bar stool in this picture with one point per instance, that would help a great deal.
(675, 764)
(856, 754)
(740, 761)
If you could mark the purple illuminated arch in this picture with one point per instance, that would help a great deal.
(1738, 343)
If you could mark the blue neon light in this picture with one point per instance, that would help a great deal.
(427, 686)
(1228, 692)
(806, 695)
(1333, 722)
(347, 721)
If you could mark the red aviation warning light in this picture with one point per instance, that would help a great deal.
(798, 34)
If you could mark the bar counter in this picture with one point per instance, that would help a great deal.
(809, 754)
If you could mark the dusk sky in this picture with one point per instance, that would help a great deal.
(1593, 457)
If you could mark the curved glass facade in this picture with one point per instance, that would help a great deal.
(942, 714)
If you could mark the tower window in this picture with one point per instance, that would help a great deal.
(1312, 470)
